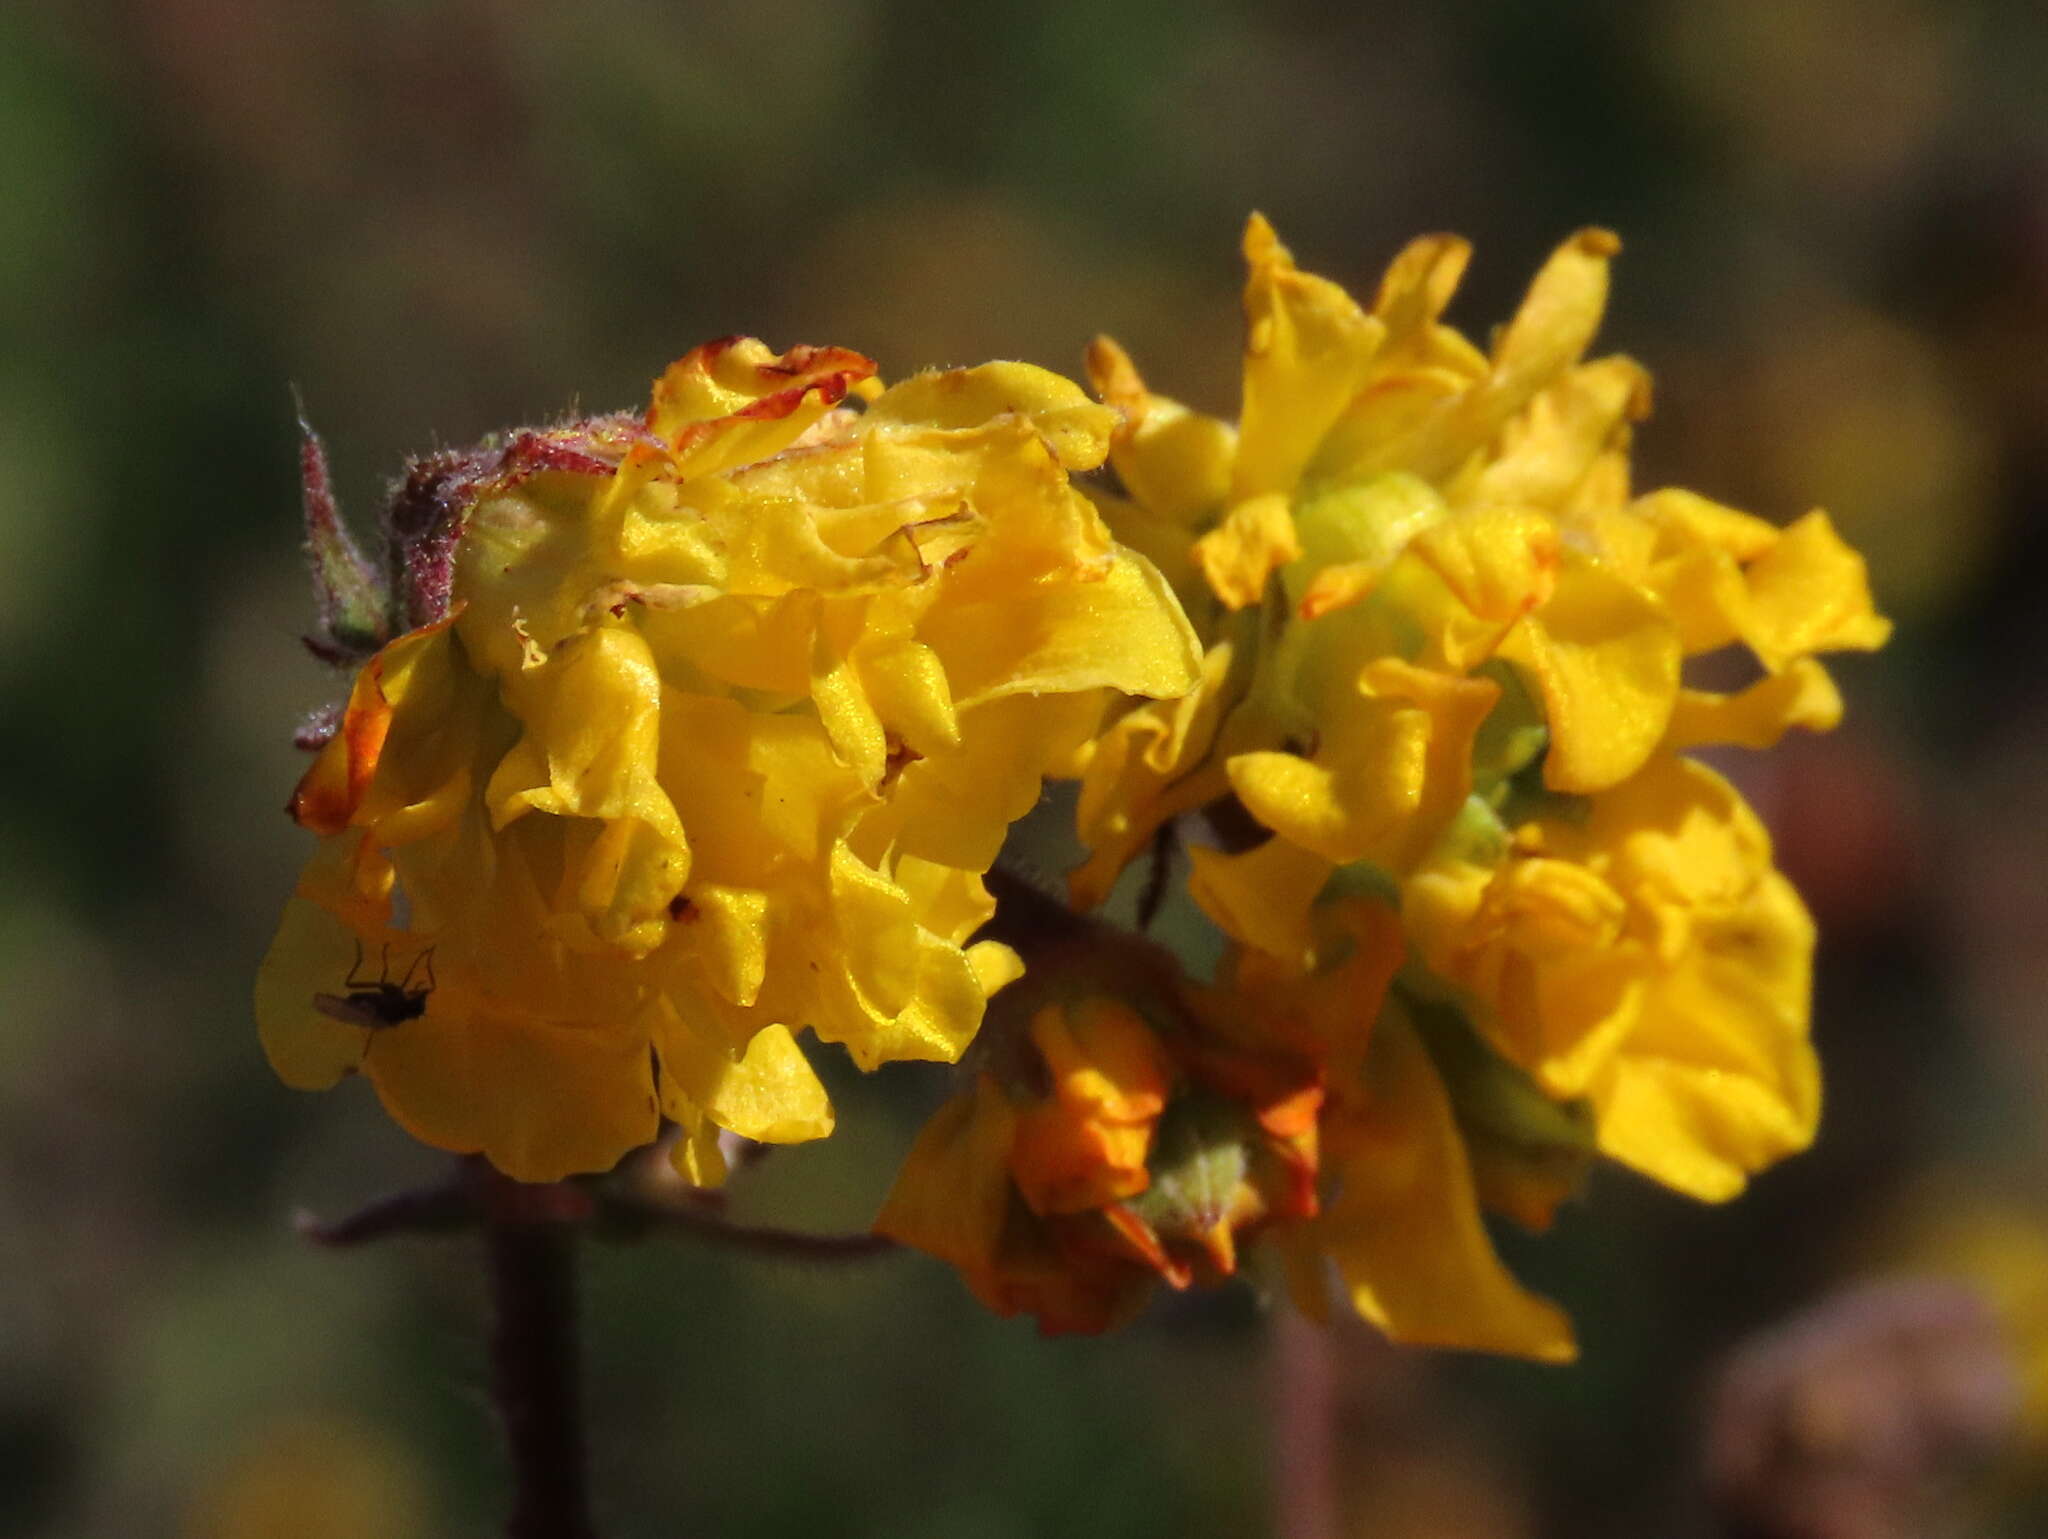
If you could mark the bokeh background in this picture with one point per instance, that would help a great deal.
(436, 217)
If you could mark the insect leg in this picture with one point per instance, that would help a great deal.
(352, 981)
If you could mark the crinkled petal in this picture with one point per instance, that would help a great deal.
(734, 401)
(543, 1101)
(333, 789)
(1345, 804)
(771, 1094)
(1074, 427)
(1123, 630)
(1307, 348)
(1151, 764)
(1255, 539)
(1605, 658)
(1810, 593)
(1175, 463)
(1721, 1080)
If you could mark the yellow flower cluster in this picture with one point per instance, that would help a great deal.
(1443, 650)
(726, 711)
(708, 724)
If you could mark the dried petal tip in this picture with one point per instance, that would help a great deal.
(354, 613)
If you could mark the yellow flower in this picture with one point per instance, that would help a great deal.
(1115, 1142)
(1405, 536)
(1443, 640)
(1641, 953)
(705, 730)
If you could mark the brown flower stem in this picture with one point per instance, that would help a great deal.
(632, 1218)
(1304, 1429)
(534, 1376)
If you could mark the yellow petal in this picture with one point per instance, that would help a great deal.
(995, 965)
(1605, 658)
(1404, 1229)
(1393, 767)
(734, 401)
(1307, 347)
(1174, 462)
(312, 952)
(1686, 519)
(726, 933)
(1810, 593)
(1152, 764)
(1500, 562)
(955, 808)
(541, 1100)
(1802, 696)
(905, 681)
(1255, 539)
(770, 1095)
(952, 1195)
(1548, 450)
(1074, 427)
(590, 750)
(1123, 630)
(1345, 804)
(1560, 313)
(1449, 417)
(1262, 897)
(1721, 1080)
(1419, 283)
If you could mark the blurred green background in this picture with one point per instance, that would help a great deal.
(438, 218)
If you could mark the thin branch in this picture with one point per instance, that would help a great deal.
(440, 1209)
(637, 1216)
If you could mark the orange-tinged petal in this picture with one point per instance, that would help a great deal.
(953, 1192)
(734, 401)
(331, 791)
(1104, 1060)
(1338, 587)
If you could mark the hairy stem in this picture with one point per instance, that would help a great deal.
(534, 1376)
